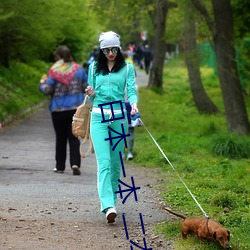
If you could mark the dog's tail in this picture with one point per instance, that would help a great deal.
(175, 213)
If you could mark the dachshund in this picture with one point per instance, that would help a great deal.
(204, 229)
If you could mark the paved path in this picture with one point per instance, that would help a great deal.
(31, 193)
(141, 78)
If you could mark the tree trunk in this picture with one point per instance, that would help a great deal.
(223, 38)
(235, 109)
(159, 47)
(201, 99)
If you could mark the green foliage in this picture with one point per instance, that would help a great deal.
(175, 25)
(175, 28)
(128, 18)
(243, 59)
(241, 17)
(29, 33)
(219, 183)
(19, 87)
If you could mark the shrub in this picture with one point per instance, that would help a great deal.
(231, 146)
(223, 200)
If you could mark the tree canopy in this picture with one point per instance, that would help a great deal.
(27, 32)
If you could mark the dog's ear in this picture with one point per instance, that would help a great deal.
(214, 235)
(228, 237)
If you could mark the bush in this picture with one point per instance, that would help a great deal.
(231, 146)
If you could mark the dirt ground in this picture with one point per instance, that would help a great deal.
(40, 209)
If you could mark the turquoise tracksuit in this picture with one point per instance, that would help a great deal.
(109, 88)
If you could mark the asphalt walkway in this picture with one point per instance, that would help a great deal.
(31, 190)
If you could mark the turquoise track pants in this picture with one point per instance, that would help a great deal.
(108, 161)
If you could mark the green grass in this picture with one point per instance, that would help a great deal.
(214, 164)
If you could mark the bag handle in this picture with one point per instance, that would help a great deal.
(87, 137)
(85, 99)
(90, 149)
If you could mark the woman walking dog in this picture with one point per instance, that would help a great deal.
(108, 78)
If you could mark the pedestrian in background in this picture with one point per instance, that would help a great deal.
(138, 56)
(92, 57)
(147, 54)
(108, 78)
(65, 84)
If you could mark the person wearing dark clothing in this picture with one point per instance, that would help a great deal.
(138, 56)
(65, 83)
(131, 132)
(147, 54)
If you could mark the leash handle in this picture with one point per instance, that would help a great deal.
(174, 169)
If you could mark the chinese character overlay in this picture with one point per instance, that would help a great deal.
(121, 136)
(130, 190)
(112, 116)
(127, 236)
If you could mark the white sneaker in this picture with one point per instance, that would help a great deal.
(111, 214)
(129, 156)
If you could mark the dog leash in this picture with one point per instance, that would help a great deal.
(174, 169)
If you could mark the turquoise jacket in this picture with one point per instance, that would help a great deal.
(111, 87)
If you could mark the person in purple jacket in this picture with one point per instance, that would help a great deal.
(65, 83)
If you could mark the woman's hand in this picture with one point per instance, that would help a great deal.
(90, 91)
(134, 109)
(43, 79)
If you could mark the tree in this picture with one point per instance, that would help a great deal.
(223, 38)
(127, 17)
(28, 33)
(201, 99)
(159, 46)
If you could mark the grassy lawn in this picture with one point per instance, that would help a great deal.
(214, 164)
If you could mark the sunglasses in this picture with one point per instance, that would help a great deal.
(106, 51)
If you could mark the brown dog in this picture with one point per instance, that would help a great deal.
(204, 229)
